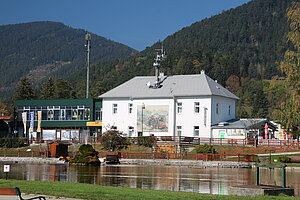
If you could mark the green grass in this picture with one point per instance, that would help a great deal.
(89, 191)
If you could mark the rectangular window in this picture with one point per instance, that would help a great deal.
(98, 114)
(229, 110)
(205, 117)
(197, 107)
(179, 130)
(179, 107)
(217, 108)
(130, 108)
(62, 114)
(196, 130)
(115, 108)
(130, 131)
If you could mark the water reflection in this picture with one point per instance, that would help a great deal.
(199, 180)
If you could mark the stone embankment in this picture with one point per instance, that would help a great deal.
(162, 162)
(31, 160)
(187, 163)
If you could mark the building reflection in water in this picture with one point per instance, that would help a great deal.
(200, 180)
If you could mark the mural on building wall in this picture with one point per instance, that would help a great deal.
(153, 118)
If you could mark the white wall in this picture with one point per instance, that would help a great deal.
(123, 119)
(223, 114)
(187, 119)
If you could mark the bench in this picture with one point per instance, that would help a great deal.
(16, 192)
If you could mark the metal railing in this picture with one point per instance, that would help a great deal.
(184, 156)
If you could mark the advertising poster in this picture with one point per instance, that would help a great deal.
(153, 118)
(49, 134)
(65, 134)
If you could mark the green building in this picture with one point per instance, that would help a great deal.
(76, 120)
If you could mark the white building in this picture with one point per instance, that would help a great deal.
(182, 105)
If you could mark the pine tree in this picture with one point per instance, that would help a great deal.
(24, 90)
(48, 90)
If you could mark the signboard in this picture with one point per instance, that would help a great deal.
(6, 168)
(93, 123)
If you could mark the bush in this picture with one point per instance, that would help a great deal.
(86, 155)
(284, 159)
(12, 142)
(111, 139)
(147, 141)
(205, 149)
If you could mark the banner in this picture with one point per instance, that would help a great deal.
(31, 122)
(24, 118)
(39, 121)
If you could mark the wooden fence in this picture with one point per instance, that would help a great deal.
(43, 154)
(184, 156)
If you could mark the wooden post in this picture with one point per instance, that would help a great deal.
(283, 177)
(257, 176)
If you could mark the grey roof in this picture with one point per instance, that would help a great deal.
(245, 124)
(179, 85)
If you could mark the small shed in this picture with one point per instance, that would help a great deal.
(58, 149)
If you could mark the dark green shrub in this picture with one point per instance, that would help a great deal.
(111, 139)
(12, 142)
(205, 149)
(147, 141)
(87, 155)
(284, 159)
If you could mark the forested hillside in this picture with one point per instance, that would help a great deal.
(42, 49)
(240, 48)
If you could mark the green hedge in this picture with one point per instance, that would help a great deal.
(13, 142)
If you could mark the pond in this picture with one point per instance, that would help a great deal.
(209, 180)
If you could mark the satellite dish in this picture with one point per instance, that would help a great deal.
(149, 84)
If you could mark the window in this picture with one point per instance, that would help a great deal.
(130, 108)
(130, 131)
(205, 117)
(98, 114)
(197, 107)
(179, 107)
(196, 130)
(115, 108)
(229, 110)
(217, 108)
(179, 130)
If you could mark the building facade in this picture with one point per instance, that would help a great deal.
(183, 105)
(63, 119)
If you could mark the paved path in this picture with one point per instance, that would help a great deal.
(278, 154)
(34, 195)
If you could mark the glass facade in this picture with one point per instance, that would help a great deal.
(58, 113)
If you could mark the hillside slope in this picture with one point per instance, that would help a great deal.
(42, 49)
(247, 41)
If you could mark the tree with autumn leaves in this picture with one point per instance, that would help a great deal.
(289, 111)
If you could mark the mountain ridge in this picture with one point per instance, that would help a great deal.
(28, 46)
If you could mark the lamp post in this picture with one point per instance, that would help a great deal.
(143, 107)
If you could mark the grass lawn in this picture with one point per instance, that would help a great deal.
(89, 191)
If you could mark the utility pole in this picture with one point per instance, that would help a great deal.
(88, 47)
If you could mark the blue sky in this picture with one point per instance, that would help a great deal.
(136, 23)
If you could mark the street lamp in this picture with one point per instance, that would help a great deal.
(143, 107)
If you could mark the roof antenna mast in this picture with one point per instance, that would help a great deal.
(160, 56)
